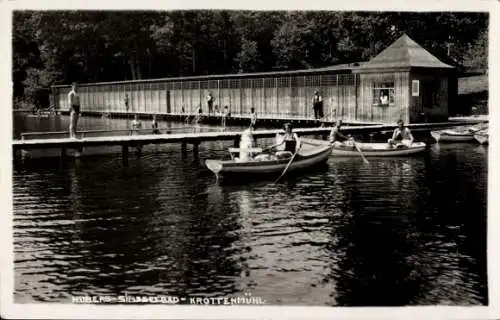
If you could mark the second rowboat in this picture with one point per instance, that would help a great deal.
(378, 150)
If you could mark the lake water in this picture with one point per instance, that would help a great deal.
(394, 232)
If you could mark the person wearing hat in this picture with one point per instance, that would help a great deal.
(401, 137)
(317, 105)
(210, 102)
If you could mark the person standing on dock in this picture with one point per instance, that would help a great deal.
(225, 115)
(401, 137)
(136, 125)
(126, 100)
(318, 105)
(253, 118)
(74, 102)
(210, 102)
(154, 125)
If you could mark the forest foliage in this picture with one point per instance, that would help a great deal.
(59, 47)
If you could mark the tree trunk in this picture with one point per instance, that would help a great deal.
(137, 61)
(138, 70)
(132, 67)
(193, 58)
(225, 54)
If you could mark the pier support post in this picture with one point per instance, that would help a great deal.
(125, 155)
(63, 154)
(196, 148)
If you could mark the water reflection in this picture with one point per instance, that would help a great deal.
(393, 232)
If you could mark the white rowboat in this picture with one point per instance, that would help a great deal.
(481, 137)
(378, 150)
(311, 153)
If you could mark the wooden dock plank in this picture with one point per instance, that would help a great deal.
(198, 137)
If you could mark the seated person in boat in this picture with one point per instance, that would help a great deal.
(287, 144)
(246, 143)
(401, 137)
(337, 137)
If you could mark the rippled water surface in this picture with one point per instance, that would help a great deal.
(403, 231)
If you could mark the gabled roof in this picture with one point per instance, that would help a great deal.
(404, 53)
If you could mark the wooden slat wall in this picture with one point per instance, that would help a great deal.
(247, 98)
(121, 98)
(235, 101)
(285, 100)
(384, 114)
(278, 96)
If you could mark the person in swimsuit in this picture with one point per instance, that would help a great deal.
(154, 125)
(126, 102)
(225, 115)
(401, 137)
(253, 118)
(290, 140)
(136, 125)
(337, 137)
(74, 102)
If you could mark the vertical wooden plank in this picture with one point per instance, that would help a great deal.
(134, 97)
(121, 98)
(242, 94)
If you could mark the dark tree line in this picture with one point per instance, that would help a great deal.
(52, 47)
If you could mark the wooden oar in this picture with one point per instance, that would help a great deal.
(361, 153)
(289, 163)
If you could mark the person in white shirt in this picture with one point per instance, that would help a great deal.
(384, 99)
(246, 142)
(317, 105)
(210, 102)
(74, 102)
(136, 125)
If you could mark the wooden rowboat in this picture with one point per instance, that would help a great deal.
(459, 134)
(312, 152)
(377, 150)
(481, 137)
(452, 136)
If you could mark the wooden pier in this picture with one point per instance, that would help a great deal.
(234, 119)
(184, 138)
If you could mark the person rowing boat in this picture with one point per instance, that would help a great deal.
(401, 137)
(337, 138)
(289, 143)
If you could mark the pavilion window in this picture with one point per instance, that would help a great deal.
(383, 93)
